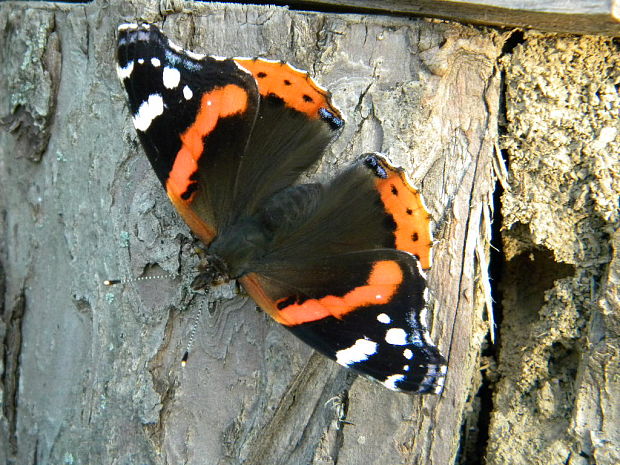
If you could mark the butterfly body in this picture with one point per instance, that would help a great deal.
(341, 263)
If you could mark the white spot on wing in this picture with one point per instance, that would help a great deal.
(124, 73)
(391, 381)
(383, 318)
(406, 368)
(187, 93)
(358, 352)
(140, 61)
(148, 111)
(396, 336)
(128, 27)
(155, 62)
(423, 316)
(194, 55)
(408, 354)
(171, 77)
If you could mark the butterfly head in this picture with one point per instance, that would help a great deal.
(212, 271)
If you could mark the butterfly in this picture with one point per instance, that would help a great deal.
(339, 264)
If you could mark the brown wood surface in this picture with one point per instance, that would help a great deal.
(574, 16)
(92, 374)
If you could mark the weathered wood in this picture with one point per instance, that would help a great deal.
(92, 375)
(98, 374)
(575, 16)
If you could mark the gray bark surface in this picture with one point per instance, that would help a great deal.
(92, 375)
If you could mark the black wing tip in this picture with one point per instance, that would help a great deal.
(335, 122)
(133, 37)
(426, 379)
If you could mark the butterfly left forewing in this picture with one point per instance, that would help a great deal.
(194, 115)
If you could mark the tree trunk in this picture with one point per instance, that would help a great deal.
(92, 374)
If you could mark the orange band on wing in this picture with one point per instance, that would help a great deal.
(404, 203)
(218, 103)
(383, 282)
(198, 225)
(295, 87)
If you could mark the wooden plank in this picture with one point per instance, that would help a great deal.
(580, 17)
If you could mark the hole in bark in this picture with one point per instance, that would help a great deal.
(515, 39)
(563, 363)
(531, 274)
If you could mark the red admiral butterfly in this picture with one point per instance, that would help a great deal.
(338, 264)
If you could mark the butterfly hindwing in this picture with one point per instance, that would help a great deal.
(370, 205)
(365, 310)
(336, 278)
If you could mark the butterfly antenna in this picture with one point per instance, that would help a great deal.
(112, 282)
(192, 333)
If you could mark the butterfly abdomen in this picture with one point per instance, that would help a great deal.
(245, 243)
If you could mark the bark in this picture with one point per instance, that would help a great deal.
(558, 357)
(92, 374)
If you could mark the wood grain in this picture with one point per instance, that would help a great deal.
(575, 16)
